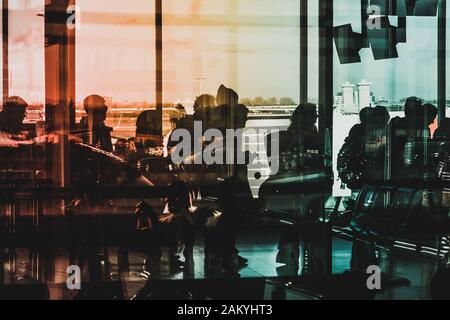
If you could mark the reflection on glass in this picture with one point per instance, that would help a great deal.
(26, 50)
(116, 59)
(385, 82)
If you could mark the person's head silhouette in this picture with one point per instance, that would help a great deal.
(382, 116)
(366, 115)
(412, 107)
(304, 116)
(96, 109)
(430, 114)
(203, 102)
(14, 112)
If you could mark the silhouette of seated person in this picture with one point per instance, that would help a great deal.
(299, 180)
(403, 132)
(179, 212)
(351, 161)
(232, 115)
(92, 128)
(362, 157)
(300, 149)
(442, 133)
(148, 237)
(222, 225)
(421, 153)
(222, 112)
(174, 227)
(11, 119)
(299, 187)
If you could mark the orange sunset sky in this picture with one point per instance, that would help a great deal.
(252, 45)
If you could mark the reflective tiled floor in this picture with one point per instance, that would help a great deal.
(259, 248)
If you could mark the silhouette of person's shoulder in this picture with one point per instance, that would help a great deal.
(3, 122)
(187, 122)
(287, 141)
(281, 138)
(398, 127)
(286, 138)
(83, 124)
(356, 131)
(398, 122)
(355, 134)
(443, 131)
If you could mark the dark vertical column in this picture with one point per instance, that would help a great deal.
(303, 51)
(60, 64)
(2, 266)
(326, 110)
(442, 47)
(5, 31)
(364, 17)
(325, 69)
(60, 84)
(159, 57)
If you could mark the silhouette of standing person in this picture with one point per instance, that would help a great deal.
(442, 136)
(92, 128)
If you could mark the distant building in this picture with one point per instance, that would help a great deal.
(338, 102)
(348, 99)
(364, 94)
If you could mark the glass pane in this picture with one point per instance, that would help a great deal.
(313, 51)
(379, 74)
(250, 46)
(116, 59)
(26, 53)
